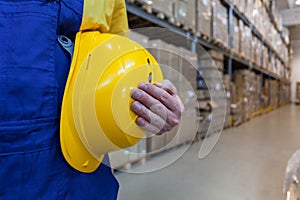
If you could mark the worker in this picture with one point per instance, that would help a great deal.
(33, 72)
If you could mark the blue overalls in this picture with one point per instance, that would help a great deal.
(33, 72)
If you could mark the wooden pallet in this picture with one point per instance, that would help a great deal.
(203, 36)
(219, 44)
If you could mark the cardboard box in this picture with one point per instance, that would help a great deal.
(185, 13)
(204, 17)
(236, 35)
(166, 7)
(219, 23)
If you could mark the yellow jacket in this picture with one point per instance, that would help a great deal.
(106, 16)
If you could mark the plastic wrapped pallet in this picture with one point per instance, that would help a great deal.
(204, 17)
(219, 23)
(247, 91)
(185, 13)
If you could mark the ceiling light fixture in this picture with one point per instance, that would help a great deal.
(297, 2)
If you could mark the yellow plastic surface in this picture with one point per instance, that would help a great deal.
(96, 116)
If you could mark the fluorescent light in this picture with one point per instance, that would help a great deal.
(288, 195)
(297, 2)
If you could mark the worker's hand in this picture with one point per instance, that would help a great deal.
(158, 106)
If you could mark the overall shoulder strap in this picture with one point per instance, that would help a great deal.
(106, 16)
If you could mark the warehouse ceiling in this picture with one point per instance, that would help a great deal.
(290, 13)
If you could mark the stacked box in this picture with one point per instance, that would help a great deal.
(245, 40)
(257, 51)
(235, 105)
(265, 58)
(236, 35)
(204, 17)
(226, 80)
(284, 95)
(242, 37)
(166, 7)
(241, 5)
(298, 92)
(179, 65)
(185, 13)
(257, 16)
(287, 73)
(188, 66)
(247, 85)
(274, 93)
(249, 6)
(285, 34)
(139, 38)
(265, 94)
(272, 65)
(254, 10)
(212, 60)
(235, 2)
(219, 23)
(280, 68)
(159, 50)
(156, 143)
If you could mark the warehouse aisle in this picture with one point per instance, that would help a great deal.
(248, 163)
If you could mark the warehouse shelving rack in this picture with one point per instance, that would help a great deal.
(139, 17)
(151, 19)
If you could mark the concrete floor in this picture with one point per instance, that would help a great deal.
(248, 163)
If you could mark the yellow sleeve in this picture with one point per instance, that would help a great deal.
(106, 16)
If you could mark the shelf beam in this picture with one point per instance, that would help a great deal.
(135, 10)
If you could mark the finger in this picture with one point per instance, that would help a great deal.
(147, 114)
(158, 93)
(166, 128)
(151, 103)
(167, 86)
(182, 108)
(145, 125)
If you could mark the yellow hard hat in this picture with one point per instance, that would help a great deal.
(96, 116)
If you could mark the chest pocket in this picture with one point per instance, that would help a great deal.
(28, 36)
(33, 68)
